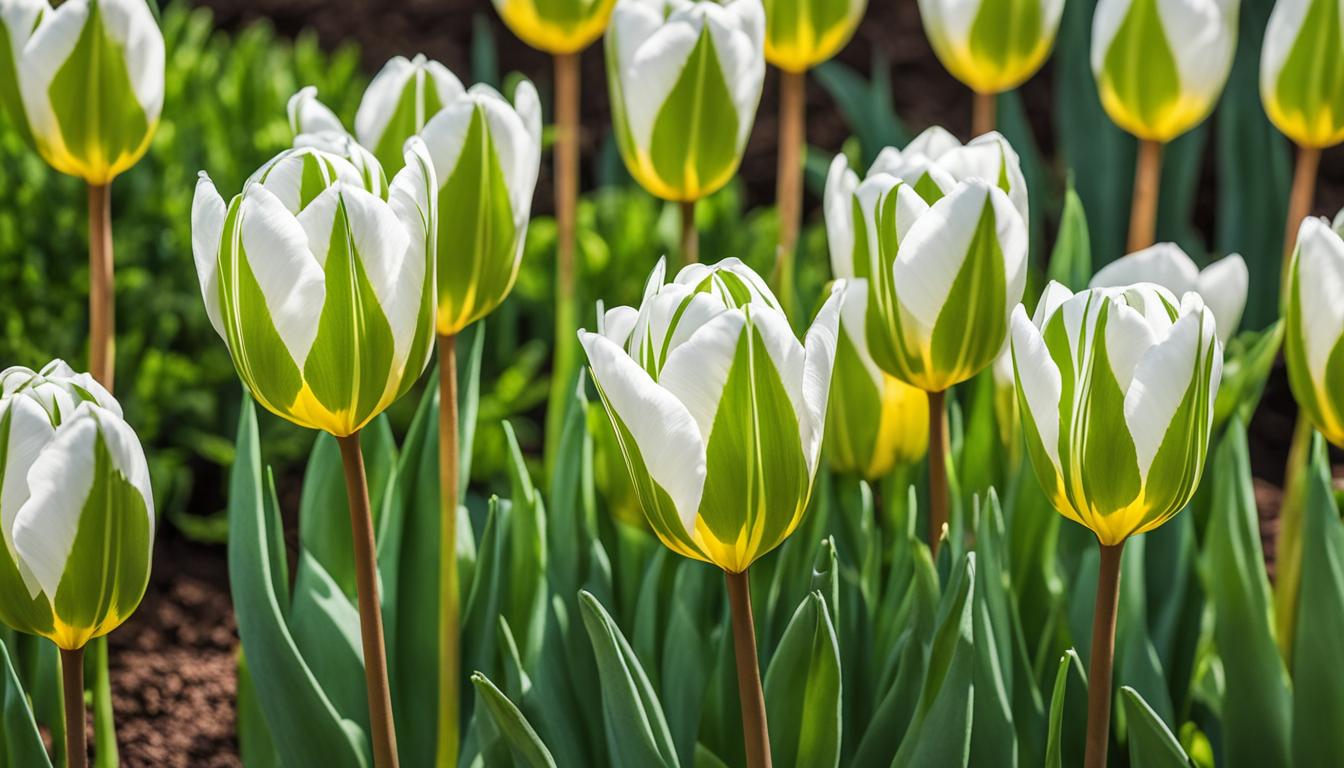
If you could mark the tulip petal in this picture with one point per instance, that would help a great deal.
(819, 364)
(28, 430)
(290, 278)
(696, 371)
(307, 114)
(1039, 382)
(839, 205)
(207, 227)
(1161, 381)
(1223, 286)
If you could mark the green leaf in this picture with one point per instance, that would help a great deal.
(1064, 740)
(20, 741)
(637, 733)
(994, 738)
(256, 746)
(326, 630)
(1248, 360)
(525, 602)
(523, 741)
(1071, 259)
(802, 689)
(865, 105)
(1151, 743)
(1318, 678)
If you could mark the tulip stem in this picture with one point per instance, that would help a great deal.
(754, 730)
(690, 237)
(449, 608)
(1301, 198)
(566, 159)
(1103, 654)
(983, 113)
(789, 184)
(938, 494)
(370, 611)
(101, 308)
(1143, 209)
(72, 679)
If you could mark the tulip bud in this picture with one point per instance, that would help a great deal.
(1116, 389)
(566, 27)
(84, 81)
(934, 161)
(875, 421)
(941, 279)
(718, 408)
(76, 508)
(1300, 81)
(1222, 285)
(800, 34)
(1161, 64)
(685, 80)
(486, 156)
(991, 45)
(322, 289)
(1314, 327)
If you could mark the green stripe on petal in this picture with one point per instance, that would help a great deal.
(693, 148)
(974, 320)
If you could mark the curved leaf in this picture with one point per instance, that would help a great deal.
(802, 689)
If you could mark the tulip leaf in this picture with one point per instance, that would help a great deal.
(1318, 680)
(1151, 742)
(637, 732)
(1248, 360)
(1071, 259)
(525, 602)
(326, 630)
(1256, 711)
(20, 741)
(256, 746)
(1064, 739)
(802, 689)
(523, 742)
(866, 105)
(685, 647)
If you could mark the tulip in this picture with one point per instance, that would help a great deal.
(1116, 388)
(934, 161)
(1301, 82)
(562, 28)
(1314, 327)
(875, 421)
(991, 45)
(1222, 285)
(719, 412)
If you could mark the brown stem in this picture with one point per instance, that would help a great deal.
(370, 612)
(938, 495)
(789, 175)
(754, 729)
(101, 309)
(1301, 198)
(1143, 209)
(983, 117)
(566, 158)
(449, 634)
(1103, 654)
(690, 237)
(72, 679)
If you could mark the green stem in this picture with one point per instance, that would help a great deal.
(1103, 656)
(755, 731)
(450, 661)
(104, 720)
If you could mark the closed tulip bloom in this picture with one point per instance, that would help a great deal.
(941, 279)
(1116, 389)
(991, 45)
(1314, 332)
(322, 289)
(685, 80)
(718, 408)
(83, 81)
(875, 421)
(556, 26)
(486, 154)
(1302, 73)
(1222, 285)
(1160, 65)
(800, 34)
(76, 508)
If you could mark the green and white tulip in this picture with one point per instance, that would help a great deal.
(991, 45)
(718, 408)
(1223, 284)
(1161, 65)
(556, 26)
(941, 279)
(800, 34)
(1302, 72)
(934, 161)
(1116, 388)
(685, 80)
(1314, 325)
(322, 288)
(83, 82)
(76, 508)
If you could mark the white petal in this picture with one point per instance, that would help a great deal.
(990, 157)
(19, 18)
(1054, 295)
(854, 322)
(1285, 24)
(45, 53)
(131, 24)
(1320, 284)
(382, 245)
(654, 68)
(207, 226)
(1039, 379)
(29, 431)
(1202, 35)
(697, 371)
(445, 83)
(617, 323)
(1160, 382)
(309, 115)
(1223, 285)
(936, 141)
(839, 209)
(1106, 21)
(1164, 264)
(819, 363)
(516, 145)
(381, 98)
(1128, 337)
(291, 279)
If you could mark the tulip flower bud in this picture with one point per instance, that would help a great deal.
(934, 161)
(76, 508)
(1300, 80)
(486, 156)
(875, 421)
(1116, 389)
(1222, 285)
(565, 27)
(322, 289)
(800, 34)
(1314, 327)
(991, 45)
(941, 279)
(685, 80)
(1160, 65)
(718, 408)
(84, 81)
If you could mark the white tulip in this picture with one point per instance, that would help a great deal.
(1223, 284)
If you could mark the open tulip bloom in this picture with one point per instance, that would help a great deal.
(800, 34)
(991, 45)
(1222, 285)
(564, 26)
(1300, 77)
(1314, 332)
